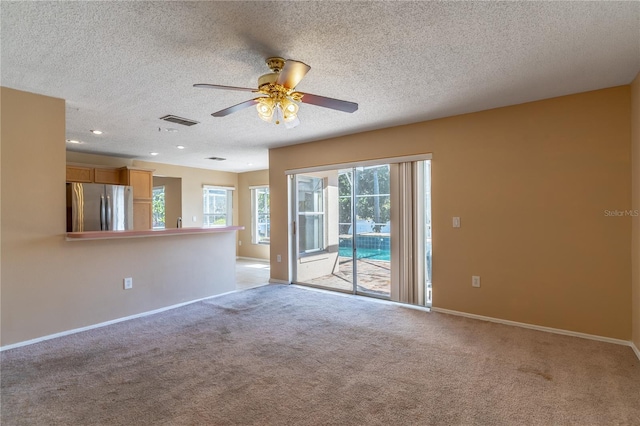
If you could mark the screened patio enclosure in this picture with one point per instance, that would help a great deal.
(346, 230)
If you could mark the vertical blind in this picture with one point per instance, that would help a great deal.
(408, 267)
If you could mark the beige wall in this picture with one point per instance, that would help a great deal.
(246, 180)
(50, 285)
(635, 253)
(531, 184)
(172, 199)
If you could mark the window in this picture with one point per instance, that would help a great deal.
(260, 224)
(158, 207)
(218, 206)
(310, 214)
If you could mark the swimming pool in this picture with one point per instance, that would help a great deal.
(365, 253)
(370, 246)
(376, 247)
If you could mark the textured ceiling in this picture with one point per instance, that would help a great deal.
(122, 65)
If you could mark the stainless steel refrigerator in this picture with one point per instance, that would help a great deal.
(98, 207)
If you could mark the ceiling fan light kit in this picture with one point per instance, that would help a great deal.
(284, 110)
(280, 99)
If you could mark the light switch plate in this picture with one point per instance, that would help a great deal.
(475, 281)
(456, 222)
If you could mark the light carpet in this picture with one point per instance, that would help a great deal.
(281, 355)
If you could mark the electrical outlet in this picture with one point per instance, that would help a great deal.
(194, 218)
(239, 242)
(475, 281)
(279, 258)
(128, 283)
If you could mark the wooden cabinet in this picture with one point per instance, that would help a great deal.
(140, 180)
(110, 176)
(106, 175)
(142, 183)
(142, 215)
(79, 174)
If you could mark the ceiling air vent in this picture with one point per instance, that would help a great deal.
(179, 120)
(216, 158)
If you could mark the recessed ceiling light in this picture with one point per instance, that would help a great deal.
(96, 132)
(73, 141)
(153, 153)
(180, 147)
(249, 164)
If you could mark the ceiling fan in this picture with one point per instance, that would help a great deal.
(279, 98)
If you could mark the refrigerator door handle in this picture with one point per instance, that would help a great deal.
(109, 224)
(102, 213)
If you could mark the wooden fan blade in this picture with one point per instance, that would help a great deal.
(292, 73)
(216, 86)
(235, 108)
(332, 103)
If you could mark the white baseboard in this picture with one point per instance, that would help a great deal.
(535, 327)
(277, 281)
(106, 323)
(635, 349)
(253, 259)
(361, 297)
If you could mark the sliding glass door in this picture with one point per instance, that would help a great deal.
(316, 242)
(343, 230)
(345, 227)
(372, 237)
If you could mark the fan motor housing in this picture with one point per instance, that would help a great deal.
(275, 63)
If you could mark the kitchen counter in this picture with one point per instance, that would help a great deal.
(104, 235)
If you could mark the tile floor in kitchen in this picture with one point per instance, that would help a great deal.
(251, 273)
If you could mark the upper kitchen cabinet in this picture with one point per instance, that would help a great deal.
(142, 183)
(140, 179)
(79, 174)
(110, 176)
(94, 174)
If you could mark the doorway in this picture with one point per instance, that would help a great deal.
(167, 202)
(344, 229)
(367, 242)
(343, 234)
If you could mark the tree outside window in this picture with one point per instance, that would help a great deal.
(159, 207)
(260, 220)
(372, 194)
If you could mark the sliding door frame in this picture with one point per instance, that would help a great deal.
(293, 240)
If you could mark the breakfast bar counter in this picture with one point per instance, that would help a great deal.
(103, 235)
